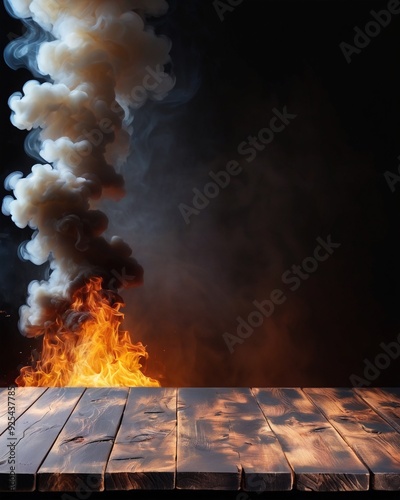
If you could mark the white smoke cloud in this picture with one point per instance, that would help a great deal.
(95, 56)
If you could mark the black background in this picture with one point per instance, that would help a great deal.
(331, 162)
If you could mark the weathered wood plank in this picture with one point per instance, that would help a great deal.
(205, 458)
(78, 459)
(144, 452)
(35, 432)
(385, 401)
(375, 442)
(320, 458)
(222, 437)
(264, 465)
(23, 399)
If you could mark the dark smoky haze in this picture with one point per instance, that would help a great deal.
(322, 176)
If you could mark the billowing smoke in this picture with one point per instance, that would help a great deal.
(96, 61)
(101, 63)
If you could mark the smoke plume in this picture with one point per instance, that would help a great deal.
(95, 63)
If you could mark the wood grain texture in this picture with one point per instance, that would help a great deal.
(35, 433)
(320, 458)
(375, 442)
(205, 458)
(78, 459)
(144, 452)
(224, 441)
(85, 440)
(23, 399)
(385, 401)
(264, 465)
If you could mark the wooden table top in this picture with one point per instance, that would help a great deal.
(251, 439)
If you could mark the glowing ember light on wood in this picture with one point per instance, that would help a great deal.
(97, 354)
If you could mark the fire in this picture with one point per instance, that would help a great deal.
(96, 353)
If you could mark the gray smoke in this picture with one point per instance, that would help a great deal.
(97, 60)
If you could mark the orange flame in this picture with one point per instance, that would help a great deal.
(98, 354)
